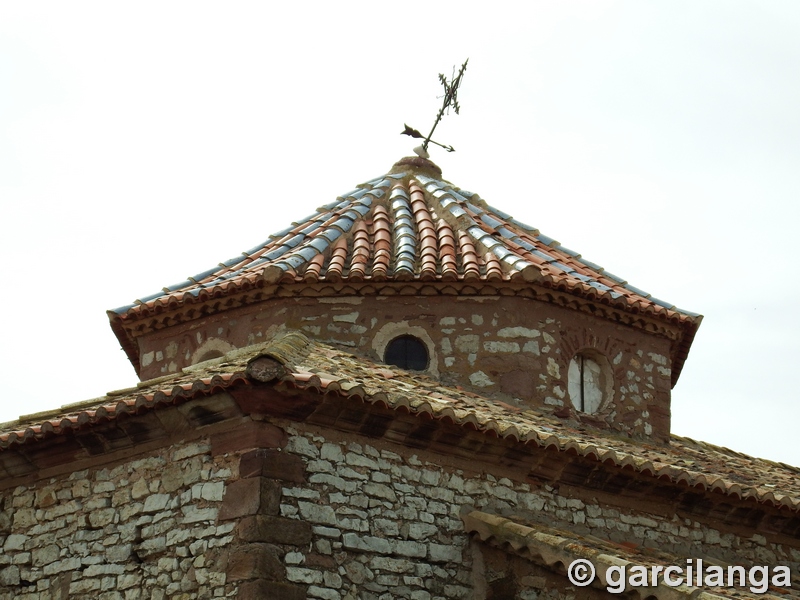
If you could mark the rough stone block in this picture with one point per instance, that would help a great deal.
(268, 590)
(255, 561)
(273, 464)
(276, 530)
(256, 495)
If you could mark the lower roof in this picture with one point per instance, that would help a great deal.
(325, 370)
(558, 549)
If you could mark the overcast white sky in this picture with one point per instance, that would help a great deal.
(144, 142)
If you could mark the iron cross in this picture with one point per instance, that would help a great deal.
(449, 100)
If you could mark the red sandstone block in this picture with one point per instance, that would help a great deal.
(255, 561)
(275, 530)
(260, 589)
(273, 464)
(256, 495)
(256, 434)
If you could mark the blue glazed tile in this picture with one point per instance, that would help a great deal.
(398, 192)
(255, 249)
(293, 261)
(178, 286)
(581, 277)
(357, 194)
(320, 244)
(205, 273)
(456, 210)
(329, 205)
(233, 261)
(307, 253)
(547, 241)
(280, 234)
(563, 267)
(376, 193)
(636, 290)
(331, 234)
(294, 241)
(490, 221)
(613, 277)
(310, 217)
(599, 286)
(151, 297)
(524, 226)
(591, 265)
(312, 227)
(662, 303)
(276, 253)
(123, 309)
(545, 257)
(566, 250)
(343, 223)
(500, 213)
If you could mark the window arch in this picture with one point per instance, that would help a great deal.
(588, 381)
(407, 352)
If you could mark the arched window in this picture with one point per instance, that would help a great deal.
(587, 382)
(407, 352)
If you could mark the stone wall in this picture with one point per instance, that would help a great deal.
(386, 523)
(310, 513)
(511, 348)
(144, 529)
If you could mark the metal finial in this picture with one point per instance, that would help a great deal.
(450, 100)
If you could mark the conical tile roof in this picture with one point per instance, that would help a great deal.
(407, 226)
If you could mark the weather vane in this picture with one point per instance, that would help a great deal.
(450, 100)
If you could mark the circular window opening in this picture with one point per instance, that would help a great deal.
(407, 352)
(586, 383)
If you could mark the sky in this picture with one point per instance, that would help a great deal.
(144, 142)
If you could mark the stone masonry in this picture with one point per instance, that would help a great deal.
(312, 514)
(514, 349)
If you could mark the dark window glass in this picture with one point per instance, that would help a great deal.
(407, 352)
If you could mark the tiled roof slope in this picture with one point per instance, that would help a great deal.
(322, 368)
(410, 225)
(557, 548)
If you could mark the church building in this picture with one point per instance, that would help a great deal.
(407, 394)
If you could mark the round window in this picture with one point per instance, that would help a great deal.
(407, 352)
(586, 383)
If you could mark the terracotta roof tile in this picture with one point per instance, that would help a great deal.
(409, 225)
(326, 369)
(405, 225)
(556, 548)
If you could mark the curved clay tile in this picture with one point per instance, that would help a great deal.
(405, 238)
(358, 265)
(382, 235)
(427, 233)
(447, 251)
(338, 257)
(469, 258)
(494, 272)
(314, 268)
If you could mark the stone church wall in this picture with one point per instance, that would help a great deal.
(314, 514)
(147, 528)
(514, 349)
